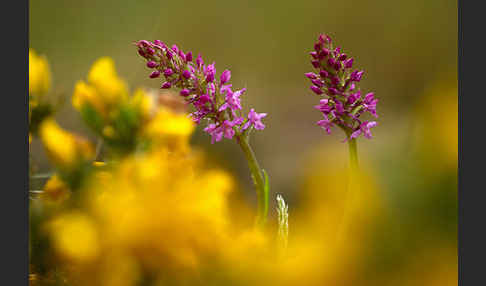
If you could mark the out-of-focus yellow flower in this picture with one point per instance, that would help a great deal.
(104, 104)
(158, 194)
(63, 148)
(103, 91)
(86, 94)
(39, 84)
(144, 103)
(170, 128)
(75, 237)
(167, 123)
(59, 143)
(55, 190)
(105, 80)
(158, 211)
(39, 74)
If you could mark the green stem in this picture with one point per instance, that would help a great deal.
(258, 179)
(353, 155)
(353, 185)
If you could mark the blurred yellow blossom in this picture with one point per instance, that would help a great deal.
(144, 103)
(173, 129)
(170, 124)
(157, 210)
(104, 78)
(39, 74)
(62, 147)
(105, 105)
(39, 84)
(127, 122)
(103, 90)
(75, 237)
(86, 94)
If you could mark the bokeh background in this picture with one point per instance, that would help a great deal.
(408, 50)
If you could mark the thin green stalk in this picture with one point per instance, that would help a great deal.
(353, 155)
(353, 185)
(259, 181)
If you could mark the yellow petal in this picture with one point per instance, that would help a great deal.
(75, 237)
(39, 74)
(104, 78)
(62, 147)
(86, 94)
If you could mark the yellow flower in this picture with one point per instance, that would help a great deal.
(171, 129)
(39, 74)
(164, 209)
(104, 79)
(75, 237)
(86, 94)
(144, 103)
(171, 124)
(63, 148)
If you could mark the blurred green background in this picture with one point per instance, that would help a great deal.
(408, 50)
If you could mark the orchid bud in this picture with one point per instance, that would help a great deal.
(166, 85)
(151, 64)
(311, 75)
(348, 63)
(189, 57)
(154, 74)
(168, 72)
(185, 92)
(316, 89)
(186, 74)
(225, 77)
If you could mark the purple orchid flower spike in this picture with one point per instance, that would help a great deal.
(333, 79)
(213, 100)
(343, 104)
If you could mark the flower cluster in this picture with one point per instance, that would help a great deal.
(344, 103)
(149, 214)
(212, 99)
(110, 110)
